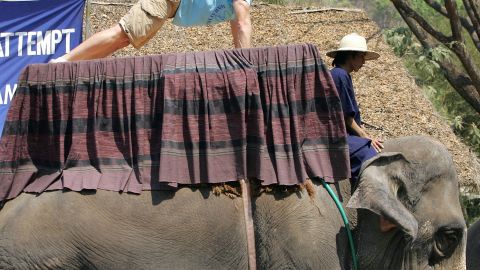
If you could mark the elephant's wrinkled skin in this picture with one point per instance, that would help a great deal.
(193, 229)
(473, 247)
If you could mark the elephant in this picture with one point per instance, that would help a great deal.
(404, 213)
(473, 246)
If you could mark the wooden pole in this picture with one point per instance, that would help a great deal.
(112, 3)
(325, 10)
(88, 29)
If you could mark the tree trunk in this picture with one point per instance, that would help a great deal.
(465, 79)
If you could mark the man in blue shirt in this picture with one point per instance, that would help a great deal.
(146, 17)
(350, 57)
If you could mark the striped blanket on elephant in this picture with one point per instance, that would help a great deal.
(143, 123)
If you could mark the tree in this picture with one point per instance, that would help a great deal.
(464, 19)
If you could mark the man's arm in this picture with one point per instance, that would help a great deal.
(353, 126)
(241, 26)
(100, 45)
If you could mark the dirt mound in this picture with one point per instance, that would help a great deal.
(392, 104)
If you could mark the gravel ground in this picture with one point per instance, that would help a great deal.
(392, 104)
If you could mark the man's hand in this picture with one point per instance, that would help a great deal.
(377, 144)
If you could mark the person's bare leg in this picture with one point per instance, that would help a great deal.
(100, 45)
(241, 26)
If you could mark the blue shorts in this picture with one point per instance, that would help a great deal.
(206, 12)
(360, 150)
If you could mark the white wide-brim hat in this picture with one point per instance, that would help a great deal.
(356, 43)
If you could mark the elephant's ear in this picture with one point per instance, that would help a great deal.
(382, 180)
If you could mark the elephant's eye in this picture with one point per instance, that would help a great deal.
(445, 242)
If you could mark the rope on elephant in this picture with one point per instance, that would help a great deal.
(247, 210)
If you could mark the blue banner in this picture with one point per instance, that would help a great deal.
(34, 31)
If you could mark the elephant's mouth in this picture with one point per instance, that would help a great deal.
(427, 254)
(445, 242)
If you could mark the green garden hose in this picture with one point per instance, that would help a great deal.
(345, 221)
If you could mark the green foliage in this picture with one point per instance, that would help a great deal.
(471, 209)
(422, 63)
(401, 40)
(428, 60)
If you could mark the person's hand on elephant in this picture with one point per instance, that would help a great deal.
(358, 130)
(377, 144)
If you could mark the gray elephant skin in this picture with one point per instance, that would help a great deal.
(473, 246)
(412, 185)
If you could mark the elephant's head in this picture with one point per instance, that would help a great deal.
(409, 210)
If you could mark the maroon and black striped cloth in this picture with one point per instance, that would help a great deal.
(143, 123)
